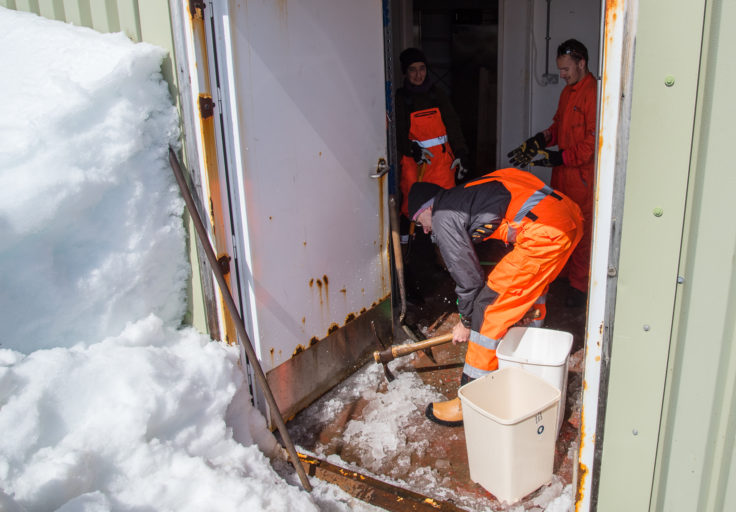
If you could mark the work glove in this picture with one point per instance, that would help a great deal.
(420, 154)
(460, 170)
(522, 156)
(549, 159)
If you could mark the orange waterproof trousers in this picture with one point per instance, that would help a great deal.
(541, 249)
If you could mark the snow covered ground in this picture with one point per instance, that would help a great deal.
(106, 402)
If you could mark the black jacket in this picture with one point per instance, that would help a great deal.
(461, 217)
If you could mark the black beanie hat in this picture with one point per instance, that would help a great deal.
(419, 194)
(410, 56)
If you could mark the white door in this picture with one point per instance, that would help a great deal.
(302, 94)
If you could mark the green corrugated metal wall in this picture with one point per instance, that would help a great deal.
(140, 20)
(668, 442)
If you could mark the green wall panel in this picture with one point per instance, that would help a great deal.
(668, 41)
(695, 470)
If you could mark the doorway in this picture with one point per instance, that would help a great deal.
(460, 40)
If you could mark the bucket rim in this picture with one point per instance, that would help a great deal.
(503, 421)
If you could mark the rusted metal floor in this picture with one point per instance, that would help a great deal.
(438, 468)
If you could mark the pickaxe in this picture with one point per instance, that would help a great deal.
(384, 356)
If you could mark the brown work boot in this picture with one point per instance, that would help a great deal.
(448, 413)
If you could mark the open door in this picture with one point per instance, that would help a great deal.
(302, 143)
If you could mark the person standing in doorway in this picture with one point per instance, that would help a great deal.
(573, 163)
(430, 143)
(428, 134)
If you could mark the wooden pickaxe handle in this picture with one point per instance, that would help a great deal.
(384, 356)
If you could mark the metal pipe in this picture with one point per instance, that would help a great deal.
(243, 337)
(547, 38)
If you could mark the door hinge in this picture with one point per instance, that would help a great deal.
(224, 263)
(206, 106)
(196, 4)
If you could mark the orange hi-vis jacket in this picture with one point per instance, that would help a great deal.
(427, 129)
(573, 131)
(516, 207)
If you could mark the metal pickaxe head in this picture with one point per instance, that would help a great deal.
(383, 357)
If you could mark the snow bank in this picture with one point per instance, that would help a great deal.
(104, 403)
(90, 228)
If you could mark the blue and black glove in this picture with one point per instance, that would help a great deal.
(549, 159)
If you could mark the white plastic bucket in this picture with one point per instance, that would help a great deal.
(509, 418)
(543, 352)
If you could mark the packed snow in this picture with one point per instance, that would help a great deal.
(106, 403)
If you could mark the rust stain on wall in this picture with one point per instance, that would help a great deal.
(326, 281)
(282, 10)
(582, 468)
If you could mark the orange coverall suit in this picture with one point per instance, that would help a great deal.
(427, 129)
(515, 207)
(573, 131)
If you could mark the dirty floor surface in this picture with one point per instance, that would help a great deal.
(430, 459)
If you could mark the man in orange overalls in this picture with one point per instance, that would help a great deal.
(573, 166)
(515, 207)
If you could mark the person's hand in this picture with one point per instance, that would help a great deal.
(460, 333)
(522, 155)
(421, 154)
(549, 159)
(460, 170)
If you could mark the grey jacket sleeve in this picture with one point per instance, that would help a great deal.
(456, 247)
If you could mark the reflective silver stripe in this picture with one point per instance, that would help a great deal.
(473, 372)
(532, 202)
(431, 142)
(542, 299)
(536, 323)
(483, 341)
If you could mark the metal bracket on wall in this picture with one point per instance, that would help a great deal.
(206, 106)
(196, 4)
(224, 263)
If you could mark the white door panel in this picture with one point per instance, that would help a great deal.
(302, 85)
